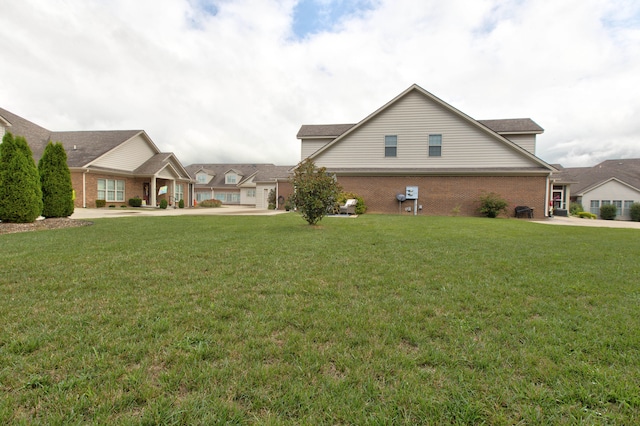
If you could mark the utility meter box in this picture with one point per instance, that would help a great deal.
(412, 193)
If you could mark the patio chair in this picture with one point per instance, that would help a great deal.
(349, 206)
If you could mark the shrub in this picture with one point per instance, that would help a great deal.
(575, 208)
(135, 202)
(316, 192)
(271, 199)
(360, 206)
(608, 212)
(587, 215)
(492, 204)
(20, 190)
(55, 180)
(112, 206)
(101, 203)
(210, 203)
(163, 203)
(635, 212)
(181, 204)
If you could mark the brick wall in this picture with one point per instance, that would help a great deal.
(132, 187)
(446, 195)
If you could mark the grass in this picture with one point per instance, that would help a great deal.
(266, 320)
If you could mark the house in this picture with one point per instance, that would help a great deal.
(113, 165)
(243, 184)
(610, 182)
(438, 158)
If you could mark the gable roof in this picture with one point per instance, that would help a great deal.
(316, 131)
(85, 147)
(583, 179)
(257, 172)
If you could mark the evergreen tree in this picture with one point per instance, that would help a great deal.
(55, 180)
(20, 193)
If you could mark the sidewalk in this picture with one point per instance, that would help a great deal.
(576, 221)
(111, 212)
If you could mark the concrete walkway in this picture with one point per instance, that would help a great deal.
(576, 221)
(106, 212)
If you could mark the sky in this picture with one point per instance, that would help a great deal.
(232, 81)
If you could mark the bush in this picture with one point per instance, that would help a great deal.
(492, 204)
(316, 192)
(575, 208)
(20, 188)
(587, 215)
(210, 203)
(163, 203)
(271, 199)
(360, 206)
(608, 212)
(181, 204)
(635, 212)
(101, 203)
(55, 180)
(135, 202)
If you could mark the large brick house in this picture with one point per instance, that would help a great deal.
(112, 165)
(420, 142)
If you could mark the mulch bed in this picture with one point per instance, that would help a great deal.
(38, 225)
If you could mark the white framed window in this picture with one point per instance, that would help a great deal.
(618, 204)
(435, 145)
(251, 193)
(179, 195)
(230, 178)
(201, 178)
(111, 190)
(391, 146)
(627, 207)
(595, 207)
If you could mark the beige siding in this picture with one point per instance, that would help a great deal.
(127, 156)
(309, 146)
(527, 142)
(262, 192)
(167, 173)
(412, 118)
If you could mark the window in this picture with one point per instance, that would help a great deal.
(390, 146)
(179, 194)
(627, 207)
(201, 178)
(230, 178)
(435, 145)
(111, 190)
(595, 207)
(251, 193)
(618, 204)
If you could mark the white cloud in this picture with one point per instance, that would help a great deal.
(229, 81)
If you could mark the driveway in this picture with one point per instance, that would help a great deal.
(80, 213)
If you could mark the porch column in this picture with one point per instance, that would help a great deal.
(153, 195)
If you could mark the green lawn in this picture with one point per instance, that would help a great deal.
(266, 320)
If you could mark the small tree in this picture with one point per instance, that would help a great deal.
(55, 180)
(20, 193)
(608, 211)
(315, 192)
(492, 204)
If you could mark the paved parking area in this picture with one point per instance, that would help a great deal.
(576, 221)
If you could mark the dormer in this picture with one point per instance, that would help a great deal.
(202, 177)
(232, 177)
(521, 131)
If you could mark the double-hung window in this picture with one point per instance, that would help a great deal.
(179, 193)
(391, 146)
(595, 207)
(435, 145)
(111, 190)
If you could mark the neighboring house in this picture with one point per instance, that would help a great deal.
(110, 165)
(243, 184)
(419, 142)
(610, 182)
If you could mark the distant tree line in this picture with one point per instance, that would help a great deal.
(28, 191)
